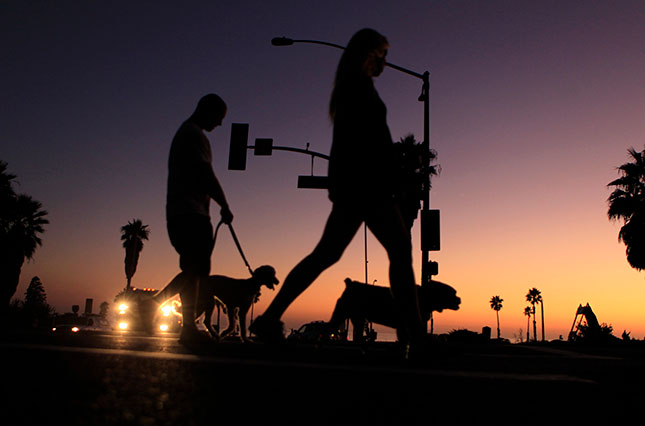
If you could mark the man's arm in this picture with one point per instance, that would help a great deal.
(215, 191)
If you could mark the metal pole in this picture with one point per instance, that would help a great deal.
(425, 97)
(365, 236)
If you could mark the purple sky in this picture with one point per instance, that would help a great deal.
(533, 105)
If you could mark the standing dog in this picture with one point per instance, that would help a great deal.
(362, 302)
(236, 294)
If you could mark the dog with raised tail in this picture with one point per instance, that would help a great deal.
(236, 294)
(363, 302)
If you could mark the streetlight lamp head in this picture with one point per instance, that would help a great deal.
(281, 41)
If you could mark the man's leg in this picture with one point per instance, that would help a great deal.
(174, 287)
(188, 296)
(148, 308)
(192, 237)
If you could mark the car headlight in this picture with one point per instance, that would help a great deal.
(122, 308)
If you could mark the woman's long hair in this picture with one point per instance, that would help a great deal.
(351, 66)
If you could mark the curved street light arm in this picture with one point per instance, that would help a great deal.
(302, 151)
(285, 41)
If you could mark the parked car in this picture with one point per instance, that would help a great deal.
(67, 328)
(316, 331)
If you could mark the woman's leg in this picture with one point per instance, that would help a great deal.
(387, 225)
(342, 224)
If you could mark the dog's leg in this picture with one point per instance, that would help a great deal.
(340, 313)
(232, 317)
(242, 319)
(209, 306)
(359, 327)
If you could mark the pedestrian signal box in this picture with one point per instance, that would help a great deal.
(263, 146)
(430, 238)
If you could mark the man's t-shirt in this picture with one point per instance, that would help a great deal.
(189, 170)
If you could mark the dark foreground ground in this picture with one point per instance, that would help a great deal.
(130, 379)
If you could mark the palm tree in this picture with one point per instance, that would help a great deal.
(534, 296)
(627, 202)
(410, 185)
(496, 305)
(527, 312)
(6, 190)
(133, 235)
(541, 300)
(22, 220)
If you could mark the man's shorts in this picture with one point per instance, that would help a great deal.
(192, 237)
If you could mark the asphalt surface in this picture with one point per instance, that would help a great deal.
(131, 379)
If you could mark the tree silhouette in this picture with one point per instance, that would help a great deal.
(104, 309)
(627, 203)
(496, 305)
(35, 306)
(410, 185)
(132, 236)
(541, 300)
(35, 294)
(22, 220)
(534, 296)
(527, 312)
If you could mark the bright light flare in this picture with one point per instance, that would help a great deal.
(122, 308)
(163, 327)
(123, 326)
(171, 308)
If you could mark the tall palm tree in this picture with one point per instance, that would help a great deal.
(627, 203)
(541, 300)
(22, 220)
(6, 190)
(496, 305)
(132, 236)
(527, 312)
(534, 296)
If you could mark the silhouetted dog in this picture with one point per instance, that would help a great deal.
(236, 294)
(362, 302)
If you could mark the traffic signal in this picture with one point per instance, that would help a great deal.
(237, 148)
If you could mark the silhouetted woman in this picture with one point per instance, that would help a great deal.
(361, 182)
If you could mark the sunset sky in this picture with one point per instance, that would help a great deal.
(533, 106)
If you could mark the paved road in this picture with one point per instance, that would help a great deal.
(130, 379)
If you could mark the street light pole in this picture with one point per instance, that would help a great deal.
(429, 222)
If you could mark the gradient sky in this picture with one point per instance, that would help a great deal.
(533, 106)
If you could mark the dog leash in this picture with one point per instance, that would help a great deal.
(237, 243)
(239, 248)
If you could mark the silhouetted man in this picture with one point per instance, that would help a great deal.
(191, 185)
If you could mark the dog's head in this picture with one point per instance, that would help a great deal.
(266, 276)
(438, 296)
